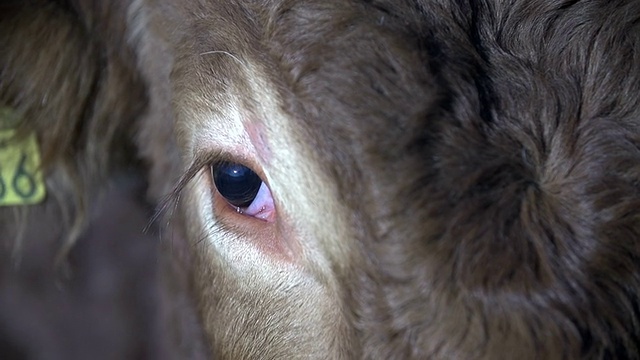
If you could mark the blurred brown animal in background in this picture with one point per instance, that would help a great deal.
(333, 179)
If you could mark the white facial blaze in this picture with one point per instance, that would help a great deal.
(300, 298)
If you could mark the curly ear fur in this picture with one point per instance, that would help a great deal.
(487, 153)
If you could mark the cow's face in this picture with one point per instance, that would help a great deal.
(360, 179)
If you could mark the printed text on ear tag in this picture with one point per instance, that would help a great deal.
(21, 180)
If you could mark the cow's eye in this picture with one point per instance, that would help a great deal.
(238, 184)
(243, 189)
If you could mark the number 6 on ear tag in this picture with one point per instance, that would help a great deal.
(20, 174)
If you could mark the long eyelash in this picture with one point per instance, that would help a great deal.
(173, 198)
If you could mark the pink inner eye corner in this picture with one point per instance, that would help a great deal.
(262, 206)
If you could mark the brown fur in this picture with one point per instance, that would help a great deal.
(478, 164)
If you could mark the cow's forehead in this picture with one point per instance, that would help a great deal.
(353, 78)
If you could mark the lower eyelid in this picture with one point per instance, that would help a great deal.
(260, 223)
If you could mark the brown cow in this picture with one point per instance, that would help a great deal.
(334, 179)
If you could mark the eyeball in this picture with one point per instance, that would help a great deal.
(243, 189)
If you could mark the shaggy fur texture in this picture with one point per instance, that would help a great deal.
(480, 162)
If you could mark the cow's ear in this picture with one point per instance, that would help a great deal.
(69, 80)
(68, 72)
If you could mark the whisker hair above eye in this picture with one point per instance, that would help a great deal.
(237, 59)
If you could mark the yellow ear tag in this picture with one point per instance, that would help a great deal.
(20, 174)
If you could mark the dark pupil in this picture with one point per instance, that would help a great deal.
(236, 183)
